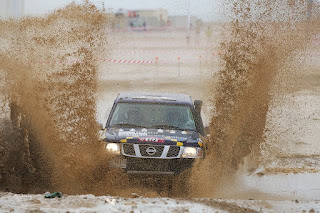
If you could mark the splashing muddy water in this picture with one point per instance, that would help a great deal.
(264, 36)
(50, 78)
(49, 81)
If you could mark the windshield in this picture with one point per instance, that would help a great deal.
(153, 116)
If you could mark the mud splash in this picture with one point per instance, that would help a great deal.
(49, 128)
(49, 77)
(264, 37)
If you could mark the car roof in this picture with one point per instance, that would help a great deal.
(152, 97)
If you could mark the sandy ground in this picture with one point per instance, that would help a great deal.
(288, 177)
(90, 203)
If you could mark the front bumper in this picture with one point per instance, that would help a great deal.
(136, 159)
(153, 166)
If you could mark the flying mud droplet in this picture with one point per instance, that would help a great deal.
(264, 36)
(49, 81)
(48, 70)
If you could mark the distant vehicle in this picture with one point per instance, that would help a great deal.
(154, 133)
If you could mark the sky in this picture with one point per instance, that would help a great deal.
(207, 10)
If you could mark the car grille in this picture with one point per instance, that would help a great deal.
(129, 149)
(158, 149)
(173, 151)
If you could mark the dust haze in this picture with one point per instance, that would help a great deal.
(49, 83)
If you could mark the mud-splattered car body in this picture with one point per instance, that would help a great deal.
(162, 136)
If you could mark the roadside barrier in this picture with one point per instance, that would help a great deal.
(201, 59)
(122, 61)
(133, 61)
(161, 51)
(157, 60)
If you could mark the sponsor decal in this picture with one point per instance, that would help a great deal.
(127, 133)
(151, 139)
(160, 131)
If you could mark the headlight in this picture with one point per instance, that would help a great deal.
(192, 152)
(113, 148)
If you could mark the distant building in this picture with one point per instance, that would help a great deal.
(149, 18)
(182, 21)
(11, 9)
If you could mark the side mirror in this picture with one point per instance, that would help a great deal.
(197, 107)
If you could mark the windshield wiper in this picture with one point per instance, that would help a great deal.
(128, 125)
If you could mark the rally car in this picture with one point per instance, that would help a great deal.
(154, 133)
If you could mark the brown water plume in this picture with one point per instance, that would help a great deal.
(262, 37)
(48, 67)
(49, 129)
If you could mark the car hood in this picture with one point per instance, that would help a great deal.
(152, 136)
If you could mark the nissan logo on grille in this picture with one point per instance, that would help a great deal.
(151, 150)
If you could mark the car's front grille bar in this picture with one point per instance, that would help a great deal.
(151, 151)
